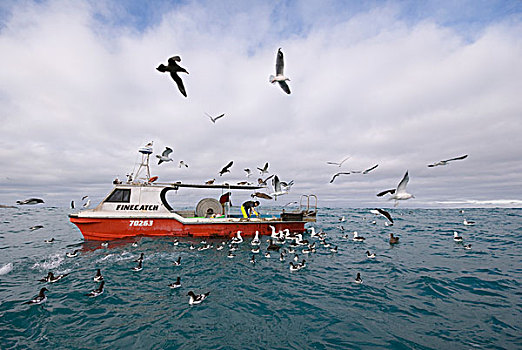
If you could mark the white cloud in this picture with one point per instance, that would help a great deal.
(79, 96)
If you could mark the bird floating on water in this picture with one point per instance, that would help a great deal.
(468, 223)
(173, 68)
(176, 284)
(280, 77)
(393, 239)
(445, 162)
(370, 255)
(358, 278)
(30, 201)
(34, 228)
(456, 237)
(95, 292)
(196, 298)
(73, 254)
(98, 276)
(51, 278)
(40, 298)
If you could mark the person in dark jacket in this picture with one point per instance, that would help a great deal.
(248, 210)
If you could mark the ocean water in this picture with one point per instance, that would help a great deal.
(427, 292)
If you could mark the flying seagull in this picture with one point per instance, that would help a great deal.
(264, 170)
(384, 213)
(165, 156)
(215, 118)
(173, 68)
(248, 172)
(226, 168)
(341, 173)
(364, 172)
(339, 163)
(444, 162)
(262, 182)
(400, 192)
(276, 184)
(260, 195)
(280, 77)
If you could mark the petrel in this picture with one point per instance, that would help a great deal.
(30, 201)
(226, 168)
(400, 192)
(280, 77)
(173, 68)
(165, 156)
(215, 118)
(40, 298)
(444, 162)
(95, 292)
(197, 298)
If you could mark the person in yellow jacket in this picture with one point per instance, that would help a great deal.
(248, 210)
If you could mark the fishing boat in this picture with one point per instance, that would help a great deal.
(139, 207)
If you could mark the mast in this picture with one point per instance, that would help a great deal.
(145, 151)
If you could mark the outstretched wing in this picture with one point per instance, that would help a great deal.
(457, 158)
(276, 184)
(343, 173)
(380, 194)
(402, 185)
(386, 214)
(370, 169)
(167, 152)
(284, 86)
(280, 63)
(226, 167)
(219, 116)
(179, 82)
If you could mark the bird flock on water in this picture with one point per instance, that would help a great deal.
(295, 249)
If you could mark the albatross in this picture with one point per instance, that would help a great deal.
(280, 77)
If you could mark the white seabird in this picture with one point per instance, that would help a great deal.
(445, 162)
(400, 192)
(165, 156)
(340, 162)
(215, 118)
(280, 77)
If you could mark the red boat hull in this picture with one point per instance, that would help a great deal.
(104, 229)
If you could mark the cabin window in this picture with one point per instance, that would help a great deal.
(119, 196)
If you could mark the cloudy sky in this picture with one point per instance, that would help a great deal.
(397, 83)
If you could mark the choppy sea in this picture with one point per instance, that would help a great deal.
(427, 292)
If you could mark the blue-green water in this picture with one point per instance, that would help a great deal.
(425, 292)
